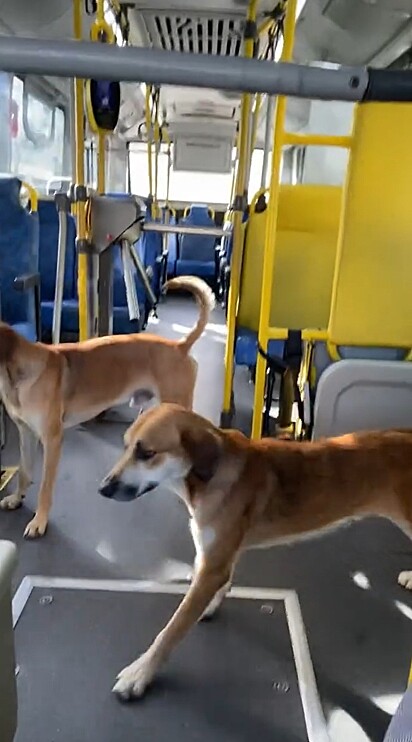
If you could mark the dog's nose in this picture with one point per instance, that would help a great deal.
(109, 486)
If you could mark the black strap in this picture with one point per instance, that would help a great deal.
(291, 361)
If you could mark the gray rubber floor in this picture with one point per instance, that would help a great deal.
(358, 620)
(224, 683)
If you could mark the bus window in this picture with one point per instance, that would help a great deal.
(38, 145)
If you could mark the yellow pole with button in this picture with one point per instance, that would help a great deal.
(101, 31)
(80, 206)
(271, 225)
(242, 167)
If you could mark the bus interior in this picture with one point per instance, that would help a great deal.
(294, 208)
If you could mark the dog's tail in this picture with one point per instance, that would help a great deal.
(8, 343)
(205, 299)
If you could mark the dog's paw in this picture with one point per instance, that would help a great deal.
(133, 680)
(11, 502)
(405, 579)
(36, 527)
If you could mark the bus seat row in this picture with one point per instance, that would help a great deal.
(195, 254)
(342, 264)
(370, 324)
(19, 266)
(49, 236)
(306, 239)
(28, 259)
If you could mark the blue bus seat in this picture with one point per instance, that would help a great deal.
(246, 347)
(197, 252)
(150, 250)
(172, 250)
(370, 326)
(49, 238)
(19, 259)
(122, 324)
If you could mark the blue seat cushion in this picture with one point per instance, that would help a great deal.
(70, 315)
(203, 269)
(49, 239)
(26, 330)
(122, 325)
(246, 347)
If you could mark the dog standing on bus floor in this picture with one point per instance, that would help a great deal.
(48, 388)
(242, 494)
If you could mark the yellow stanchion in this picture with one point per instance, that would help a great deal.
(32, 196)
(80, 206)
(271, 225)
(242, 160)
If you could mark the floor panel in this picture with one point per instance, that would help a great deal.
(248, 672)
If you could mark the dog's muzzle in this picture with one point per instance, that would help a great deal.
(115, 489)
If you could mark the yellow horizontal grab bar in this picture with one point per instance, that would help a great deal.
(32, 193)
(309, 334)
(318, 140)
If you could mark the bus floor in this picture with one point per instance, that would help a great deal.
(357, 620)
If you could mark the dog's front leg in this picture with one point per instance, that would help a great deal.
(52, 441)
(24, 475)
(201, 540)
(134, 679)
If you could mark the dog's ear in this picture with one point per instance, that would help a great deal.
(204, 449)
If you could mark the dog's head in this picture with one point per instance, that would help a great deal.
(163, 446)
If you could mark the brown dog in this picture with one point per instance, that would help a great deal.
(243, 494)
(48, 388)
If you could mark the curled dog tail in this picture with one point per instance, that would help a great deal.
(8, 343)
(205, 299)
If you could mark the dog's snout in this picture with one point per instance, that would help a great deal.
(109, 486)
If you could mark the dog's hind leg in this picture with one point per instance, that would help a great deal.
(52, 442)
(24, 477)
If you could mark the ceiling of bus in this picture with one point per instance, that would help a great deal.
(341, 31)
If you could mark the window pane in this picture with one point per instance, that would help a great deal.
(184, 186)
(37, 147)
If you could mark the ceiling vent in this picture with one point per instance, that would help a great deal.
(197, 34)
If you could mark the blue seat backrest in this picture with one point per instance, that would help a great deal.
(172, 242)
(49, 239)
(19, 251)
(200, 248)
(119, 288)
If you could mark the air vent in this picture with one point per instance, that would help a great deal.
(199, 35)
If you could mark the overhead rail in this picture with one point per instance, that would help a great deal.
(82, 59)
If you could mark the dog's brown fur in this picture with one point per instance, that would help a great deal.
(243, 494)
(48, 388)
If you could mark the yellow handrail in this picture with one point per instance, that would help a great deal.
(33, 196)
(80, 207)
(242, 160)
(258, 194)
(318, 140)
(271, 224)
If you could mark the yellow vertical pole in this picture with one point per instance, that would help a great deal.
(80, 206)
(242, 167)
(271, 225)
(410, 676)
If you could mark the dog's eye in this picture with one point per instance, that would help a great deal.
(143, 454)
